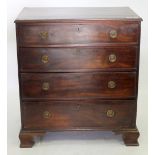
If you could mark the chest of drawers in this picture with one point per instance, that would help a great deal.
(78, 70)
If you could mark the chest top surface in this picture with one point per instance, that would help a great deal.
(72, 13)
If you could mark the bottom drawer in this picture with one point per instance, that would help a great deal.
(83, 114)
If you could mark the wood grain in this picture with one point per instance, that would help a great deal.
(77, 59)
(71, 91)
(68, 33)
(78, 85)
(64, 14)
(79, 114)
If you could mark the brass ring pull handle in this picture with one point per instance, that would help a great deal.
(46, 114)
(44, 58)
(111, 84)
(43, 35)
(113, 34)
(110, 113)
(112, 58)
(45, 86)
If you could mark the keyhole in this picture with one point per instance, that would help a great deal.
(78, 29)
(78, 107)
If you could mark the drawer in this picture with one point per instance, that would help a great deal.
(71, 33)
(78, 85)
(79, 114)
(74, 59)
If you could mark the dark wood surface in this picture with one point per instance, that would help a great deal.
(78, 85)
(78, 59)
(78, 43)
(69, 33)
(79, 114)
(74, 13)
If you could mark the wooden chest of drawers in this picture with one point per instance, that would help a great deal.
(78, 70)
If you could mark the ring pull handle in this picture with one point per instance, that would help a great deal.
(112, 58)
(45, 59)
(111, 84)
(110, 113)
(43, 35)
(113, 34)
(46, 114)
(45, 86)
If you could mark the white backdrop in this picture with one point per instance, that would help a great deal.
(85, 146)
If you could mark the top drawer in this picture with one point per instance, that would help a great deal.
(74, 33)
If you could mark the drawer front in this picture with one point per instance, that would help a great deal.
(109, 31)
(72, 59)
(79, 114)
(78, 85)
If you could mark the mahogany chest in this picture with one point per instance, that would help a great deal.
(78, 70)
